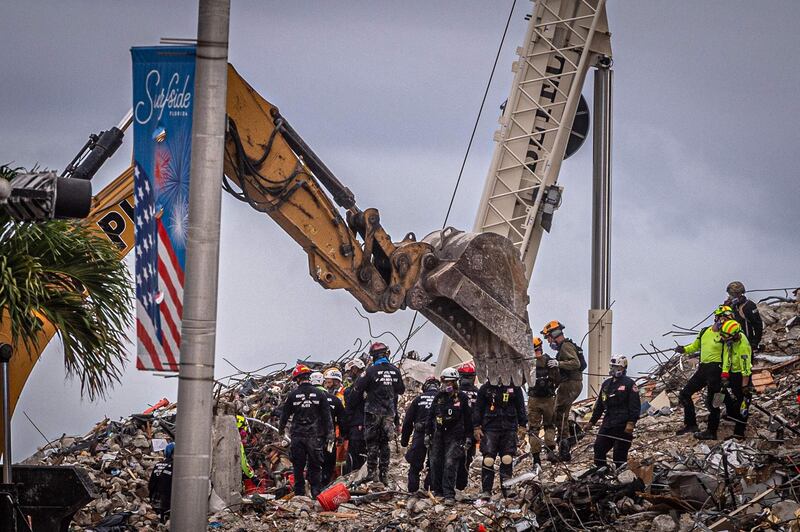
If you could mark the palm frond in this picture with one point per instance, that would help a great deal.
(67, 273)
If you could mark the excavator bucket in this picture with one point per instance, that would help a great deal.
(477, 293)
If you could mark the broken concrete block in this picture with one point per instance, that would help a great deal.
(663, 523)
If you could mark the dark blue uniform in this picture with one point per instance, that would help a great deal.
(499, 411)
(449, 423)
(354, 431)
(380, 386)
(415, 421)
(467, 385)
(619, 401)
(312, 424)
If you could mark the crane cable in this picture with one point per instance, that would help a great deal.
(480, 112)
(469, 145)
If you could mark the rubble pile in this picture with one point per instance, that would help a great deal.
(671, 483)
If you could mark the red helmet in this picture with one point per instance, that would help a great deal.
(300, 370)
(467, 368)
(378, 348)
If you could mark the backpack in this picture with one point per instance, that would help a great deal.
(582, 359)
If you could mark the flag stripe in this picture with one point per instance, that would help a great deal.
(164, 237)
(172, 336)
(147, 343)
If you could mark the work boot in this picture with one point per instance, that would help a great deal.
(706, 435)
(537, 459)
(372, 476)
(384, 478)
(551, 456)
(486, 495)
(688, 429)
(563, 451)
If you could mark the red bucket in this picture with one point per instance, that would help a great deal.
(331, 498)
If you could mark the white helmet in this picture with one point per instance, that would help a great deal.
(316, 378)
(449, 374)
(354, 363)
(333, 373)
(619, 360)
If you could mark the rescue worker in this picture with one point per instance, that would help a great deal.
(570, 365)
(499, 413)
(449, 424)
(708, 375)
(416, 421)
(333, 384)
(466, 384)
(737, 364)
(337, 415)
(352, 370)
(354, 416)
(381, 383)
(244, 436)
(312, 429)
(619, 405)
(745, 312)
(542, 405)
(160, 484)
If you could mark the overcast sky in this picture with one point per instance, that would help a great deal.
(704, 168)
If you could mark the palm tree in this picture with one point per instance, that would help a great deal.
(67, 273)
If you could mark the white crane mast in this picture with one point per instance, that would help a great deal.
(563, 40)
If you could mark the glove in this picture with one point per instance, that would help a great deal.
(428, 441)
(477, 433)
(680, 349)
(285, 442)
(629, 427)
(552, 363)
(329, 443)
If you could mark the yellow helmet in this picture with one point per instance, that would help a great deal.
(730, 329)
(723, 310)
(553, 327)
(537, 343)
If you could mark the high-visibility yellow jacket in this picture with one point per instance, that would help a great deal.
(709, 345)
(737, 357)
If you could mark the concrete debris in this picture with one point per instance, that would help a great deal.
(671, 482)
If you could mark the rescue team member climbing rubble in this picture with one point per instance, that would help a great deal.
(312, 429)
(449, 423)
(160, 484)
(379, 387)
(466, 384)
(745, 312)
(416, 421)
(499, 413)
(542, 406)
(737, 363)
(619, 405)
(570, 363)
(708, 375)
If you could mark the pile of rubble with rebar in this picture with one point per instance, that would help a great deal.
(671, 482)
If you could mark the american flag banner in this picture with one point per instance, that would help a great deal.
(163, 88)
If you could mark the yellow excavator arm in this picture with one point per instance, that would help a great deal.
(471, 286)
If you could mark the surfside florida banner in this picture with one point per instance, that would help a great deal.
(163, 100)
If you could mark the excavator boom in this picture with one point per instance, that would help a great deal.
(472, 286)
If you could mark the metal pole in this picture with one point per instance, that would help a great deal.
(6, 351)
(600, 317)
(198, 331)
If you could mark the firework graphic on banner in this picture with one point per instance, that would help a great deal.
(163, 86)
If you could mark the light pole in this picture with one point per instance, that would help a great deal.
(199, 322)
